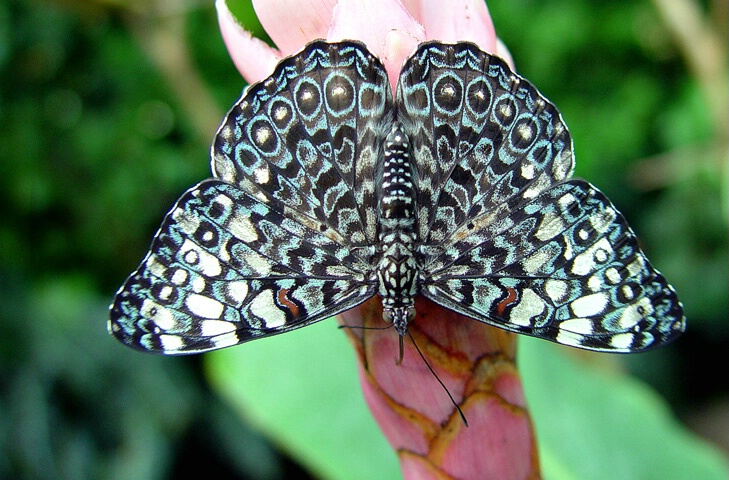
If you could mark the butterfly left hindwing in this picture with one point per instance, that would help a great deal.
(226, 268)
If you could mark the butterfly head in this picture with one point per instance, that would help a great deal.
(400, 317)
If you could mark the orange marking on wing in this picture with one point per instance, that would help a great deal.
(284, 301)
(510, 298)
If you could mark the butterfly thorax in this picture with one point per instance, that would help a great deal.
(397, 270)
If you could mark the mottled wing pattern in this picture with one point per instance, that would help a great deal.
(226, 268)
(310, 135)
(284, 236)
(506, 239)
(482, 137)
(563, 266)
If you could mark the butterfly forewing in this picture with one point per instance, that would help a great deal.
(482, 136)
(310, 135)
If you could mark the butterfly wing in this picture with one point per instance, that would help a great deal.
(563, 266)
(284, 236)
(506, 239)
(225, 268)
(481, 135)
(310, 135)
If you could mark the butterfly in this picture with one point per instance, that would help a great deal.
(327, 190)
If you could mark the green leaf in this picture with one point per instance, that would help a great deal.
(595, 424)
(302, 389)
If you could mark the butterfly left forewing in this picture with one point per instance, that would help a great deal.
(563, 266)
(310, 135)
(226, 268)
(285, 234)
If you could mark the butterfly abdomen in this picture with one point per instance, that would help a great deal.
(397, 270)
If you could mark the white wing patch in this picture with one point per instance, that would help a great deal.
(622, 341)
(203, 261)
(264, 307)
(186, 221)
(161, 316)
(203, 306)
(241, 227)
(211, 328)
(635, 312)
(171, 343)
(556, 290)
(582, 326)
(531, 305)
(566, 337)
(590, 305)
(550, 227)
(237, 291)
(180, 276)
(584, 263)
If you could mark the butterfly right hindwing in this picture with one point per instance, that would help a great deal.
(563, 266)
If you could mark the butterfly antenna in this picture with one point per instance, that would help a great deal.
(453, 401)
(399, 357)
(362, 327)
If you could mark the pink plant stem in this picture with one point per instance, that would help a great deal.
(477, 364)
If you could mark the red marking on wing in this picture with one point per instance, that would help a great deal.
(510, 298)
(284, 301)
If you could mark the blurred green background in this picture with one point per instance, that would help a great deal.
(107, 111)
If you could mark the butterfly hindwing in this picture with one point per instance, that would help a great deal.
(563, 266)
(226, 268)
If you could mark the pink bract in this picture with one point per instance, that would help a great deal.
(391, 29)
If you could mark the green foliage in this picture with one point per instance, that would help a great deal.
(64, 403)
(312, 407)
(97, 141)
(592, 423)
